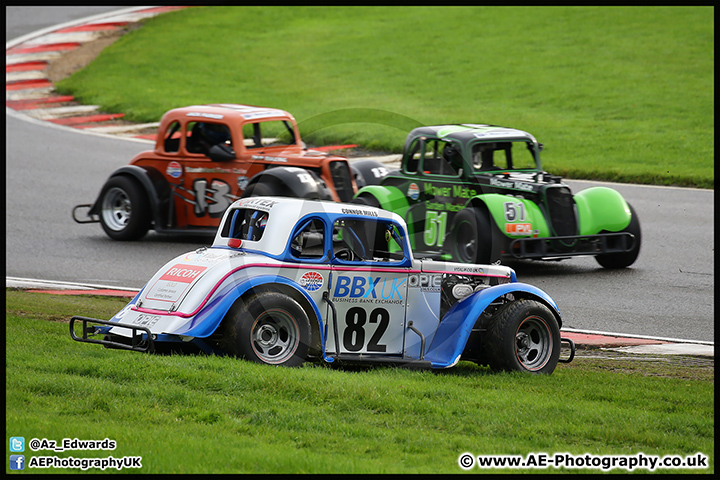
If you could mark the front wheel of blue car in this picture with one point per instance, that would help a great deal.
(269, 328)
(523, 336)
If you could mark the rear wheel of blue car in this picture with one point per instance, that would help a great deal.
(624, 259)
(523, 336)
(269, 328)
(470, 238)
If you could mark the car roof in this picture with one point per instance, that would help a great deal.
(471, 131)
(218, 111)
(279, 228)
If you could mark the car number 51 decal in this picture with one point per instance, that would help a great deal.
(435, 228)
(514, 212)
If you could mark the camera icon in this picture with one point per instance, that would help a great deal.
(17, 444)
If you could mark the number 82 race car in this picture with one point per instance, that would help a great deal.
(288, 280)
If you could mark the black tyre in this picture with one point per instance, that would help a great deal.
(269, 328)
(470, 237)
(366, 199)
(263, 190)
(124, 209)
(524, 336)
(625, 259)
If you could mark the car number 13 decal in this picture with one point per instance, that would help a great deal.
(214, 199)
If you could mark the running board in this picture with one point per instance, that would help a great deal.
(382, 359)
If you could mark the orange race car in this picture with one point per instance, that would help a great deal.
(208, 156)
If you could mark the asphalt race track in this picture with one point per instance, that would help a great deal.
(668, 292)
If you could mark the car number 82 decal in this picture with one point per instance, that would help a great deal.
(354, 333)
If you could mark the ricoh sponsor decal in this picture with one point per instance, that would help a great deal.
(174, 282)
(182, 273)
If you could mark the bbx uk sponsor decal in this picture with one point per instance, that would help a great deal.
(369, 287)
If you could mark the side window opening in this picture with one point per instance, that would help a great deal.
(310, 241)
(358, 240)
(272, 133)
(202, 136)
(245, 224)
(413, 156)
(494, 156)
(435, 157)
(172, 138)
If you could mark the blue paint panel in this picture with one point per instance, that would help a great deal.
(454, 330)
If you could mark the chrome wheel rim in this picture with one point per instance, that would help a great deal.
(116, 209)
(275, 336)
(533, 343)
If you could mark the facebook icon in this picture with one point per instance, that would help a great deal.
(17, 462)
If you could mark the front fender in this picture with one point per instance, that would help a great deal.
(601, 208)
(389, 198)
(514, 217)
(455, 327)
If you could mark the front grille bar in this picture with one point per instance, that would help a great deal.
(573, 245)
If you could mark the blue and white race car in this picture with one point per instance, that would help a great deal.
(288, 280)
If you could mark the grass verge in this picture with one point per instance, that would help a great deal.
(615, 93)
(203, 414)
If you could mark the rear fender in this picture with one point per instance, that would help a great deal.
(601, 208)
(207, 321)
(368, 172)
(151, 180)
(293, 182)
(454, 330)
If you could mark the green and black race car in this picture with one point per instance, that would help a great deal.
(478, 194)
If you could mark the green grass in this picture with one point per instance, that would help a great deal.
(202, 414)
(615, 93)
